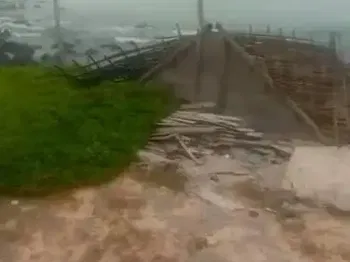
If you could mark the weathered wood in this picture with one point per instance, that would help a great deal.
(221, 103)
(335, 118)
(207, 116)
(207, 133)
(158, 137)
(200, 14)
(186, 149)
(307, 120)
(252, 144)
(199, 67)
(125, 65)
(178, 31)
(187, 130)
(289, 102)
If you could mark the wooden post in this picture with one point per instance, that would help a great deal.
(268, 29)
(178, 31)
(311, 38)
(199, 66)
(221, 102)
(250, 30)
(346, 101)
(199, 50)
(335, 118)
(280, 32)
(58, 32)
(332, 41)
(200, 14)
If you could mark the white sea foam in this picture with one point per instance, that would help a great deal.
(138, 40)
(121, 29)
(25, 35)
(185, 32)
(21, 27)
(6, 19)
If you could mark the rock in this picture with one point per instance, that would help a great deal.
(214, 177)
(5, 34)
(201, 243)
(14, 202)
(45, 58)
(320, 174)
(16, 53)
(4, 59)
(253, 213)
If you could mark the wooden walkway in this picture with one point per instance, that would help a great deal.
(272, 83)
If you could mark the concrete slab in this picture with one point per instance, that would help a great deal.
(322, 174)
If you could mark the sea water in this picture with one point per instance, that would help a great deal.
(34, 23)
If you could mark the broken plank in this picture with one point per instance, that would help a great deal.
(186, 149)
(187, 130)
(251, 144)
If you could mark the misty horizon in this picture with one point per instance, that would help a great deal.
(283, 13)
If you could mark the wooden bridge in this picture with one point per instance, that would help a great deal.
(267, 80)
(275, 83)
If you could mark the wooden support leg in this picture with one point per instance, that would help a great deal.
(199, 68)
(221, 102)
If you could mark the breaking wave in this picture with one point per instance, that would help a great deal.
(125, 39)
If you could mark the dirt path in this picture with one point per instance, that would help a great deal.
(161, 215)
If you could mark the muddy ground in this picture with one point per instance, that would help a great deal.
(230, 208)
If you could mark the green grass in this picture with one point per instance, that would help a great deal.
(54, 136)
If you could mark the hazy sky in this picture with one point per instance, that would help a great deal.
(284, 12)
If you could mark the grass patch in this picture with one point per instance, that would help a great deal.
(55, 136)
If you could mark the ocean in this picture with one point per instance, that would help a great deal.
(34, 23)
